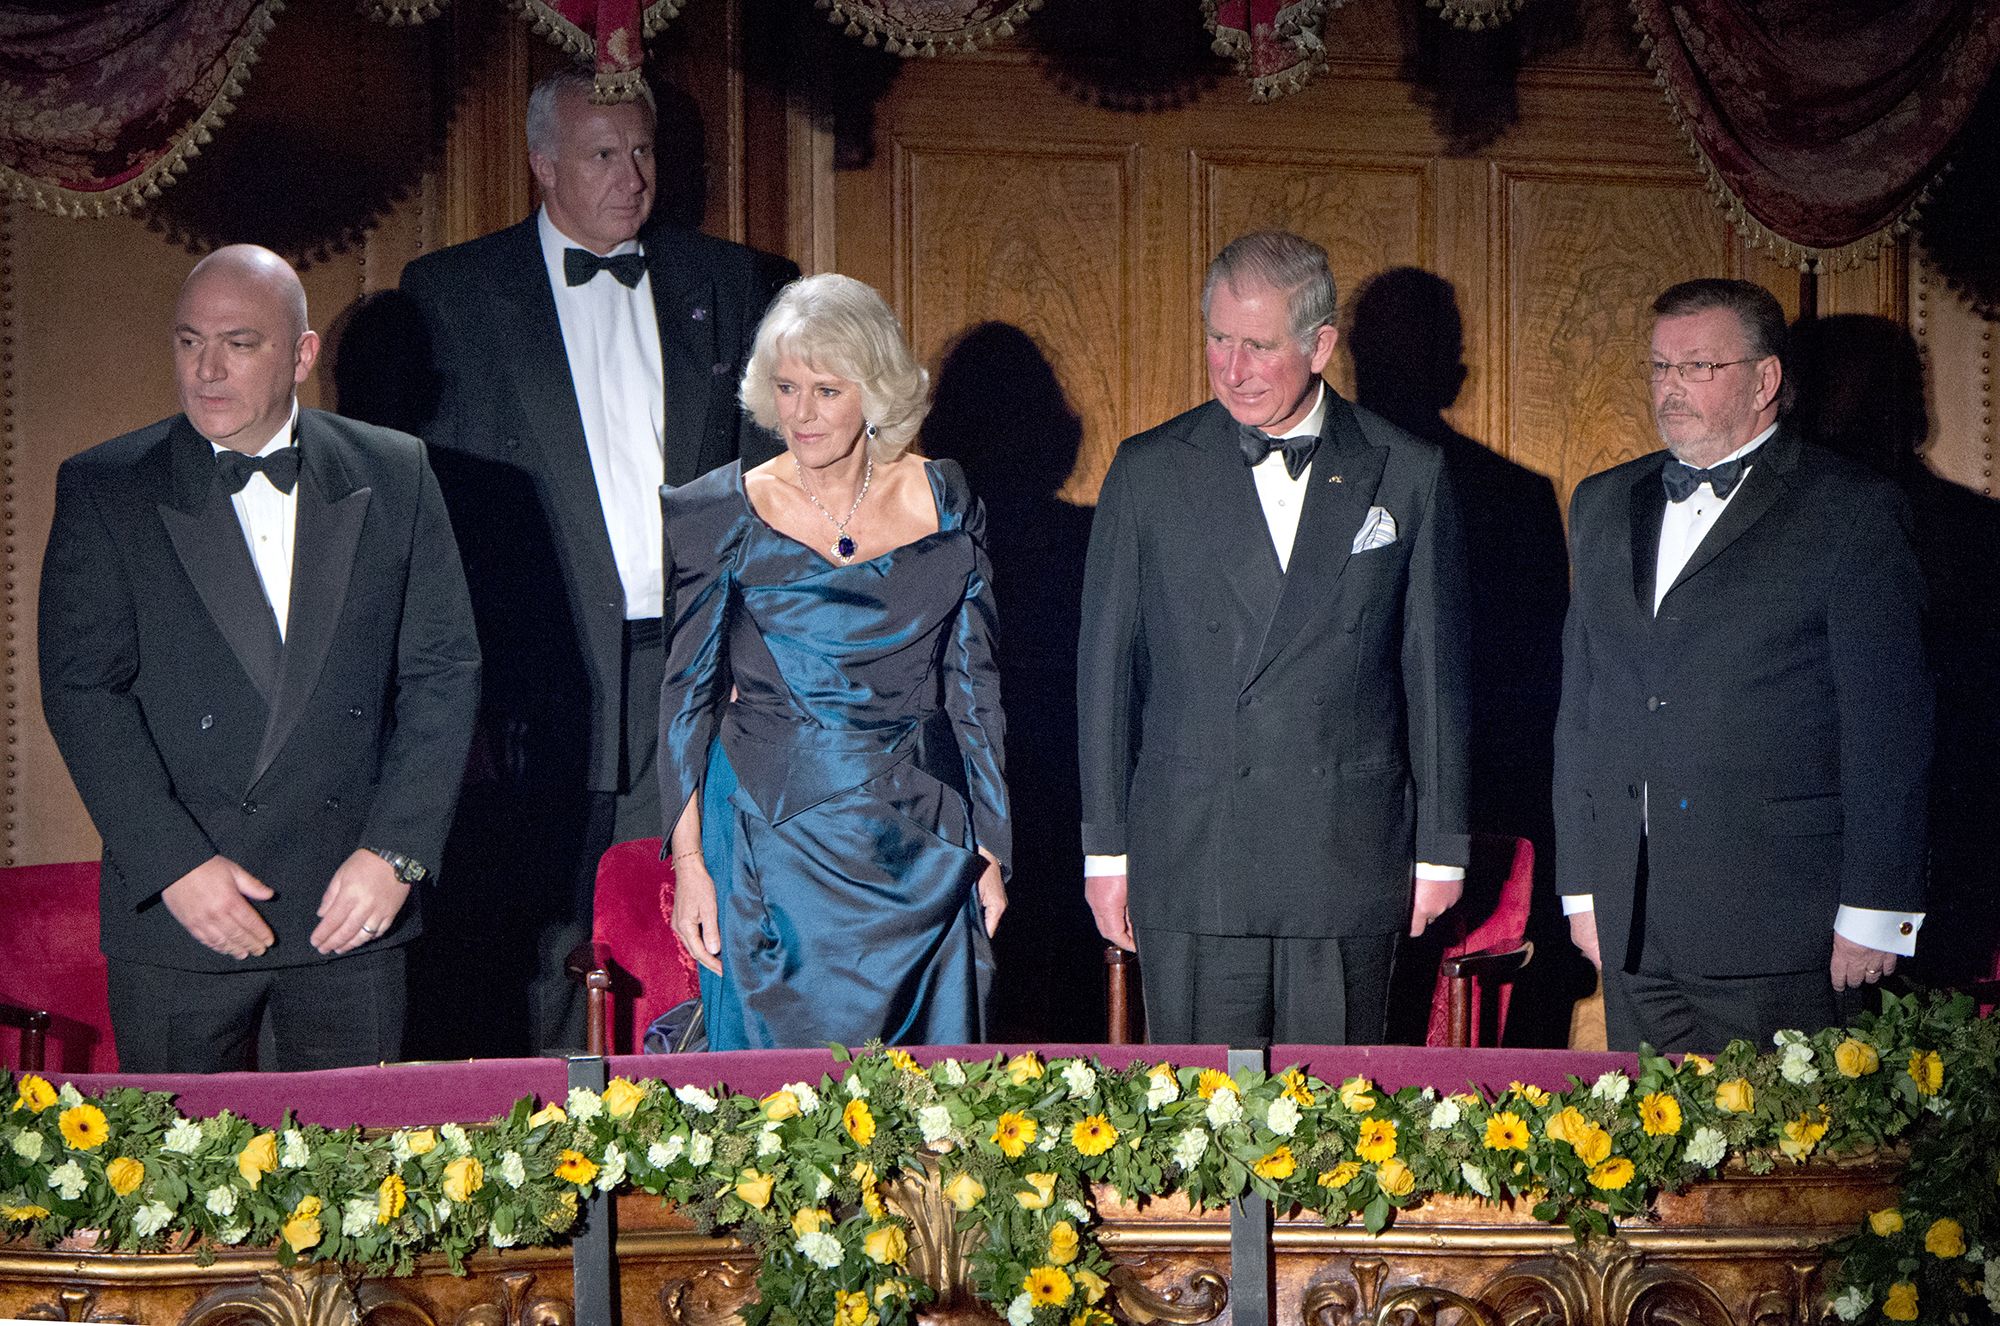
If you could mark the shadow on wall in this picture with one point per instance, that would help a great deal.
(1408, 345)
(1001, 413)
(1861, 393)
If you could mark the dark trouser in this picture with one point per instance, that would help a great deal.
(335, 1014)
(1250, 991)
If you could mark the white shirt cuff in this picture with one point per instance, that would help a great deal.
(1095, 867)
(1442, 874)
(1578, 902)
(1891, 932)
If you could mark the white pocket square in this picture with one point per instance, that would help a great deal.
(1378, 531)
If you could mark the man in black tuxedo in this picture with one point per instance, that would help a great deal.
(258, 660)
(581, 357)
(1744, 741)
(1271, 684)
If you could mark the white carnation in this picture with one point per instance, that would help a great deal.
(1161, 1089)
(1992, 1278)
(695, 1099)
(456, 1143)
(1189, 1146)
(1612, 1086)
(702, 1149)
(357, 1216)
(1021, 1312)
(820, 1248)
(1850, 1304)
(1224, 1108)
(612, 1172)
(151, 1218)
(808, 1098)
(1796, 1067)
(1706, 1148)
(399, 1146)
(1080, 1078)
(67, 1179)
(27, 1145)
(295, 1153)
(822, 1185)
(583, 1104)
(856, 1087)
(232, 1233)
(769, 1143)
(513, 1170)
(69, 1096)
(1283, 1118)
(1047, 1142)
(1475, 1178)
(1445, 1113)
(183, 1138)
(498, 1239)
(952, 1072)
(935, 1122)
(1076, 1211)
(221, 1200)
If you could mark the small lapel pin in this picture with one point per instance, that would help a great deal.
(1333, 478)
(699, 315)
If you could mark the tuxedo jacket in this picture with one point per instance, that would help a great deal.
(509, 446)
(191, 730)
(1273, 749)
(1767, 732)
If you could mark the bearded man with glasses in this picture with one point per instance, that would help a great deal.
(1744, 742)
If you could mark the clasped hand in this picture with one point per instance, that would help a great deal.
(213, 903)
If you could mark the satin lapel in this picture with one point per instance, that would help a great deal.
(684, 301)
(324, 543)
(1761, 487)
(1220, 500)
(201, 523)
(1648, 508)
(1346, 471)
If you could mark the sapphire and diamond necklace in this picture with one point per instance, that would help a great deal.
(842, 550)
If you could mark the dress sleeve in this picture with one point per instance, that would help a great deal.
(972, 688)
(701, 585)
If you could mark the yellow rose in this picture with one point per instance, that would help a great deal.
(1013, 1132)
(810, 1220)
(1395, 1178)
(1378, 1140)
(886, 1245)
(1092, 1284)
(1659, 1114)
(1024, 1068)
(34, 1094)
(1736, 1096)
(1047, 1286)
(1340, 1175)
(1612, 1175)
(575, 1167)
(1356, 1094)
(1855, 1058)
(1593, 1146)
(1801, 1136)
(963, 1191)
(780, 1106)
(83, 1127)
(1927, 1071)
(1506, 1132)
(421, 1142)
(889, 1289)
(24, 1213)
(1901, 1303)
(622, 1097)
(754, 1188)
(1566, 1125)
(1885, 1222)
(1278, 1165)
(1093, 1136)
(1041, 1190)
(859, 1121)
(1063, 1243)
(1945, 1238)
(124, 1174)
(550, 1113)
(301, 1229)
(1210, 1081)
(390, 1199)
(1702, 1066)
(850, 1308)
(463, 1177)
(258, 1157)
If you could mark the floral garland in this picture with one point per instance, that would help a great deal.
(1018, 1144)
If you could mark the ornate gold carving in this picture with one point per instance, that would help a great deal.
(940, 1252)
(712, 1297)
(318, 1297)
(1610, 1283)
(72, 1303)
(1143, 1302)
(1422, 1303)
(1337, 1303)
(511, 1306)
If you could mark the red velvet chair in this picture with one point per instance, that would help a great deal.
(634, 968)
(52, 985)
(1475, 974)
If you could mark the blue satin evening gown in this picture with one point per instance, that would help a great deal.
(847, 785)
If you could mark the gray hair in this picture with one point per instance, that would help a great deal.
(836, 324)
(1757, 311)
(1278, 260)
(545, 106)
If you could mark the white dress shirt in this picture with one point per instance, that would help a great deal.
(612, 336)
(269, 518)
(1282, 498)
(1682, 528)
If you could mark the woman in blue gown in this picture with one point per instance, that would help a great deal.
(830, 723)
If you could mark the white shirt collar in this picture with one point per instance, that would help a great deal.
(1314, 418)
(554, 241)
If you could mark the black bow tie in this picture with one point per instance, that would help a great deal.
(579, 265)
(1257, 444)
(280, 467)
(1682, 479)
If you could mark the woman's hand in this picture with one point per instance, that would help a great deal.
(992, 893)
(694, 913)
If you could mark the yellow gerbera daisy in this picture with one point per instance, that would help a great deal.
(1093, 1136)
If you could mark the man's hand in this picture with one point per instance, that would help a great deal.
(992, 891)
(695, 921)
(1434, 897)
(360, 903)
(1583, 933)
(1856, 965)
(1106, 896)
(211, 903)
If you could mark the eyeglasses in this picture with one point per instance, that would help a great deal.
(1692, 370)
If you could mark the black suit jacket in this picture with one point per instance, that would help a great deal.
(1768, 732)
(518, 478)
(190, 730)
(1274, 749)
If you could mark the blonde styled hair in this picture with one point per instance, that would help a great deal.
(836, 324)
